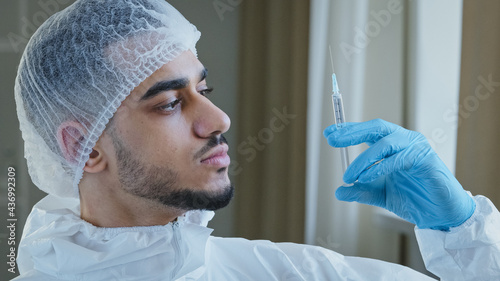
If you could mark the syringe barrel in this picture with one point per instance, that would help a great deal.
(338, 109)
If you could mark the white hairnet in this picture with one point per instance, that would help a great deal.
(78, 67)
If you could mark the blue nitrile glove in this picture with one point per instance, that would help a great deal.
(411, 181)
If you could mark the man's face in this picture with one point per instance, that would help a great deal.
(168, 140)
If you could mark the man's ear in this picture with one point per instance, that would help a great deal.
(97, 161)
(69, 136)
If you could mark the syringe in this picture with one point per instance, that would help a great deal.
(338, 111)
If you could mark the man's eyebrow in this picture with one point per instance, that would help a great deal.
(168, 85)
(163, 86)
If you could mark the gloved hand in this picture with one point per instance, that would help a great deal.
(411, 181)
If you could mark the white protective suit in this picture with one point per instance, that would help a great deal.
(58, 245)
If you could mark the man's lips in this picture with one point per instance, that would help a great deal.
(218, 157)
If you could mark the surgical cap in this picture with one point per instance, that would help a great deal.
(78, 67)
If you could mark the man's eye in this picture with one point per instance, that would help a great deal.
(170, 106)
(206, 91)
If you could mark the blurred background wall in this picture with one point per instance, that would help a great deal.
(400, 60)
(478, 134)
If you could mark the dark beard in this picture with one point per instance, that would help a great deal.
(198, 200)
(160, 184)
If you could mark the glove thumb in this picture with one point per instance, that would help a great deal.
(371, 193)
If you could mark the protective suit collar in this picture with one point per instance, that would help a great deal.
(57, 242)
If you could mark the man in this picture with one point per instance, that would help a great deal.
(117, 129)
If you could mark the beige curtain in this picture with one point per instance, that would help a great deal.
(479, 111)
(270, 169)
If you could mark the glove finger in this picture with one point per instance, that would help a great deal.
(385, 148)
(352, 133)
(406, 159)
(332, 133)
(366, 193)
(387, 166)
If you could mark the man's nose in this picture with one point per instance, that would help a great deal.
(210, 120)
